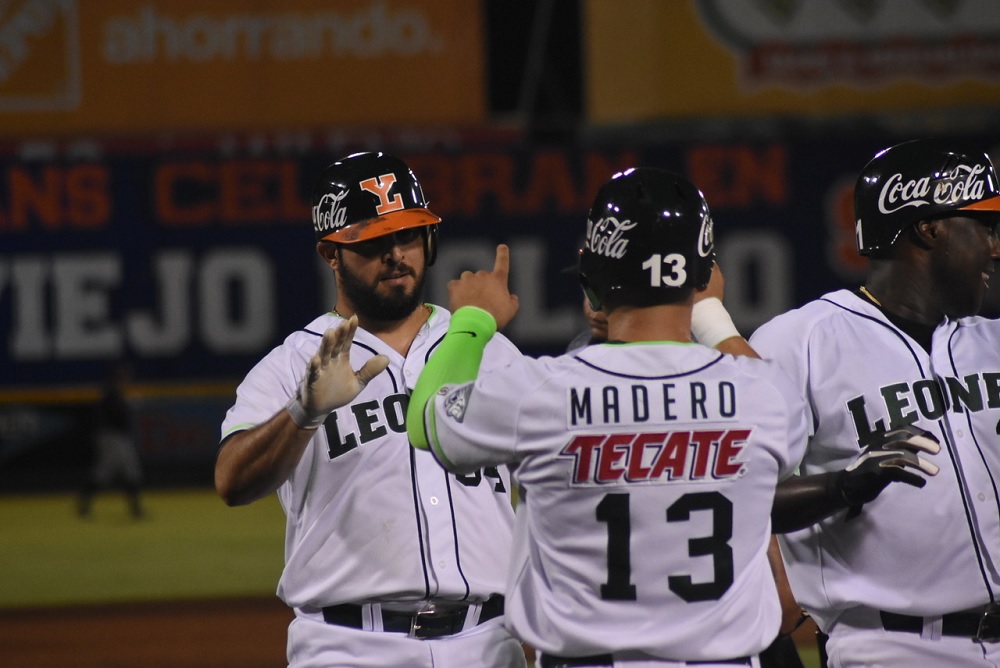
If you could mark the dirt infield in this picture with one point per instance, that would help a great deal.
(248, 633)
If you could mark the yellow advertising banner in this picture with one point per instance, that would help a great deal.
(98, 66)
(653, 59)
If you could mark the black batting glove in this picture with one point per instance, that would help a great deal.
(894, 457)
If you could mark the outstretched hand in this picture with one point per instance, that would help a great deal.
(486, 289)
(894, 457)
(329, 381)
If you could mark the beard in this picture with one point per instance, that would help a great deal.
(372, 305)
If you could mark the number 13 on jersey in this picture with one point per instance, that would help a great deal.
(614, 511)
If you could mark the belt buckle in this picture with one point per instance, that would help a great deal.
(415, 622)
(989, 624)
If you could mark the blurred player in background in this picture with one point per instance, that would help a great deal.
(647, 464)
(389, 560)
(902, 576)
(116, 456)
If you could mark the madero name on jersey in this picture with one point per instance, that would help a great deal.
(659, 456)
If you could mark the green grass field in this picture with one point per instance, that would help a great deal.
(190, 545)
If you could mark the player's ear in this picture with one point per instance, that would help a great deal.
(328, 251)
(925, 233)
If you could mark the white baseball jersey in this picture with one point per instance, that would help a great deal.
(648, 474)
(912, 551)
(369, 518)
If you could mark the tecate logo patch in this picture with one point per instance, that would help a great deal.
(965, 184)
(328, 214)
(605, 237)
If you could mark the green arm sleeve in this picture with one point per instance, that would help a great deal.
(456, 360)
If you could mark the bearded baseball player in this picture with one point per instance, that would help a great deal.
(647, 464)
(389, 560)
(902, 575)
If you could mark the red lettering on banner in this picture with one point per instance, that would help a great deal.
(57, 198)
(34, 199)
(842, 249)
(550, 179)
(598, 168)
(625, 458)
(736, 176)
(290, 202)
(476, 182)
(245, 192)
(202, 192)
(436, 174)
(235, 192)
(88, 196)
(177, 188)
(483, 177)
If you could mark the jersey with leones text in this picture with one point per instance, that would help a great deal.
(648, 475)
(911, 551)
(370, 518)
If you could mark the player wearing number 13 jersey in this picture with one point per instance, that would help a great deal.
(647, 464)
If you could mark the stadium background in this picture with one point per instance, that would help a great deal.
(156, 158)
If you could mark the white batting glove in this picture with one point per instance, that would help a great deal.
(329, 381)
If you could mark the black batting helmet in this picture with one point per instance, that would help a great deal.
(369, 195)
(917, 180)
(649, 240)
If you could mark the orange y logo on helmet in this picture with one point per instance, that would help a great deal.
(380, 185)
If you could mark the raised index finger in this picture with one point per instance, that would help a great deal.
(502, 264)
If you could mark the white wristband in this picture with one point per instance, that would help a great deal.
(300, 417)
(710, 322)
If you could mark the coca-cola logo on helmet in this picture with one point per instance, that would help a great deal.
(965, 184)
(606, 237)
(706, 236)
(329, 213)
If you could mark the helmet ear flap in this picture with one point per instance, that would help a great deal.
(595, 301)
(430, 244)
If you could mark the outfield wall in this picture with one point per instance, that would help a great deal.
(193, 256)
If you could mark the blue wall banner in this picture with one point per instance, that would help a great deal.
(193, 262)
(192, 259)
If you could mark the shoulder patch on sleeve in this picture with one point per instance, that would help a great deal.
(457, 401)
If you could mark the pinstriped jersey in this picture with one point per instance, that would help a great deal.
(370, 518)
(912, 551)
(648, 474)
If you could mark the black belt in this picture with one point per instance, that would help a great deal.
(552, 661)
(979, 625)
(420, 624)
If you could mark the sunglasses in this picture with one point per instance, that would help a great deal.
(379, 245)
